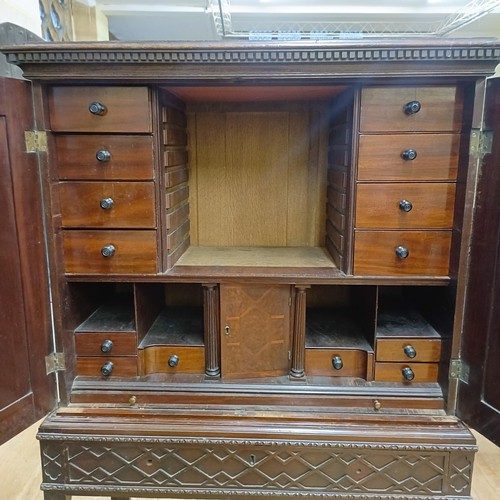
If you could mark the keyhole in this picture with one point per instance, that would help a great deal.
(252, 459)
(227, 331)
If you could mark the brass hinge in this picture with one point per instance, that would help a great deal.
(35, 141)
(54, 362)
(481, 142)
(459, 370)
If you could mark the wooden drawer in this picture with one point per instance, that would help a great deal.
(92, 366)
(383, 109)
(431, 206)
(135, 252)
(426, 350)
(123, 157)
(107, 204)
(156, 359)
(393, 372)
(320, 362)
(89, 344)
(375, 253)
(382, 157)
(126, 109)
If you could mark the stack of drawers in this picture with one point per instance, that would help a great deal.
(105, 164)
(406, 179)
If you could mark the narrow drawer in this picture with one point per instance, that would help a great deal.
(411, 109)
(93, 366)
(172, 359)
(107, 204)
(394, 372)
(116, 109)
(405, 205)
(105, 157)
(403, 157)
(375, 253)
(105, 344)
(408, 349)
(134, 252)
(348, 362)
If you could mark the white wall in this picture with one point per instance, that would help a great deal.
(24, 13)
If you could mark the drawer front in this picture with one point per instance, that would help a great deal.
(383, 109)
(105, 157)
(394, 372)
(93, 366)
(349, 363)
(107, 204)
(134, 252)
(405, 206)
(428, 253)
(182, 360)
(403, 157)
(91, 344)
(125, 109)
(409, 349)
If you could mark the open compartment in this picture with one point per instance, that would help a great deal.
(249, 172)
(340, 322)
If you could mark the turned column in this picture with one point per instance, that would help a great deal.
(211, 329)
(299, 334)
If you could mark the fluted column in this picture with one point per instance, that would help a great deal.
(211, 329)
(299, 334)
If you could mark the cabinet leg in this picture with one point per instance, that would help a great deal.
(55, 495)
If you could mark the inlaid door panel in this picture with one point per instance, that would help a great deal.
(255, 332)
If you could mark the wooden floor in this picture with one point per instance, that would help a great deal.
(20, 469)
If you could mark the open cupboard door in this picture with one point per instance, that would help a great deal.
(479, 399)
(27, 392)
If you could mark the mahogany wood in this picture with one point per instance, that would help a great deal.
(135, 251)
(382, 109)
(377, 206)
(319, 362)
(297, 369)
(91, 366)
(155, 359)
(89, 344)
(131, 157)
(211, 326)
(392, 372)
(133, 204)
(429, 253)
(127, 109)
(427, 350)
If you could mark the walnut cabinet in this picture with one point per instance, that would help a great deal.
(259, 258)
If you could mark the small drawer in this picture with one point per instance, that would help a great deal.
(105, 157)
(337, 362)
(382, 253)
(105, 344)
(403, 157)
(110, 252)
(172, 359)
(411, 109)
(100, 109)
(406, 372)
(408, 349)
(405, 206)
(106, 367)
(107, 204)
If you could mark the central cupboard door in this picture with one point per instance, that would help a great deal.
(256, 329)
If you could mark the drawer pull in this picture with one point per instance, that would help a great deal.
(173, 360)
(108, 251)
(408, 373)
(409, 351)
(402, 252)
(107, 368)
(409, 154)
(96, 108)
(412, 107)
(103, 155)
(107, 203)
(337, 363)
(106, 346)
(405, 205)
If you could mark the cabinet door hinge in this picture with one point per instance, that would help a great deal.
(54, 362)
(481, 142)
(459, 370)
(35, 141)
